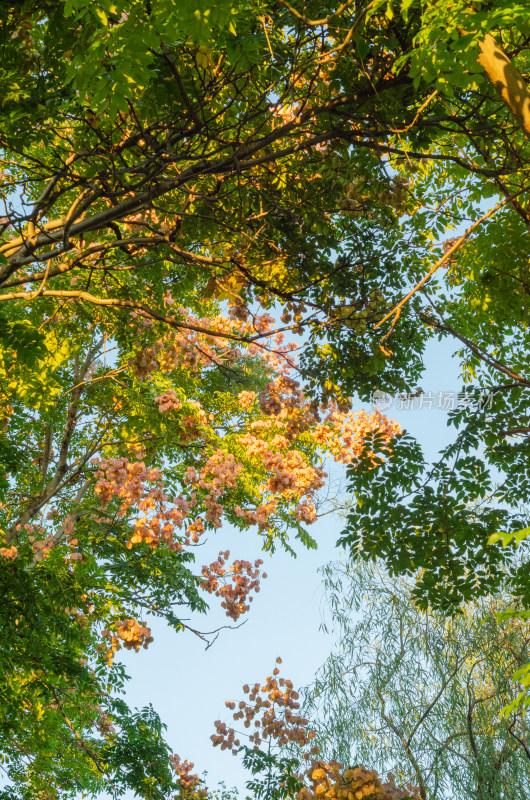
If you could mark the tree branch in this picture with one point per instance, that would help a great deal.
(506, 80)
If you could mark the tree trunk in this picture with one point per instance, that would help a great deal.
(507, 80)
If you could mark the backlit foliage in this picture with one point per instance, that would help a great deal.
(219, 223)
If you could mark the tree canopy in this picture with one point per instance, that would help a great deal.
(221, 222)
(419, 694)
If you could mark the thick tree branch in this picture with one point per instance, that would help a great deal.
(507, 81)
